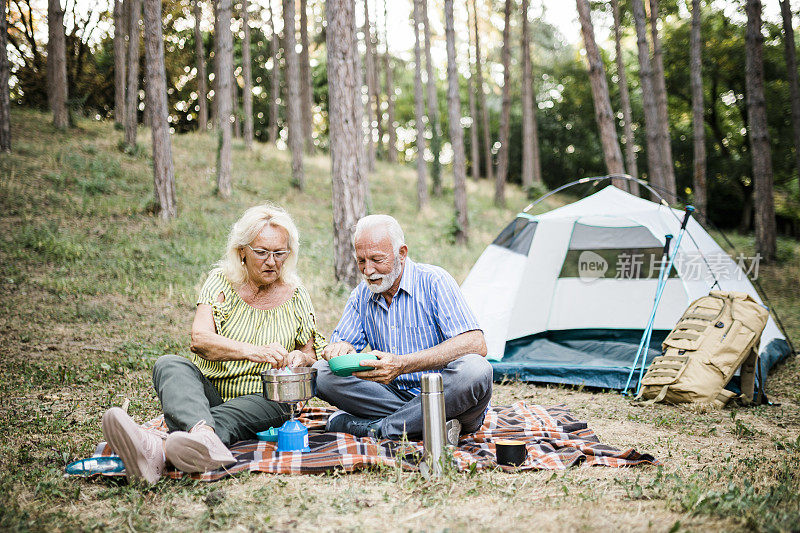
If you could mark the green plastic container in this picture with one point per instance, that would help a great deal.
(344, 365)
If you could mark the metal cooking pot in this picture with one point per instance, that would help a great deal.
(289, 386)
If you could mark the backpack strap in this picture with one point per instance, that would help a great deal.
(748, 375)
(762, 394)
(723, 398)
(659, 397)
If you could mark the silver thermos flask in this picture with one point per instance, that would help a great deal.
(434, 434)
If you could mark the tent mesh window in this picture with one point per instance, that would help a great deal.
(517, 236)
(620, 252)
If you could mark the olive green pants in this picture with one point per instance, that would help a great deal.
(187, 397)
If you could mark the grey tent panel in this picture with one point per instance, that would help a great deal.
(517, 236)
(586, 237)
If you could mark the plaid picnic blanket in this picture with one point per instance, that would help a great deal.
(554, 438)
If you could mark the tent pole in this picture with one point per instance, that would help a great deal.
(645, 342)
(660, 290)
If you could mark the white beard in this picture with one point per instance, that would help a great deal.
(387, 280)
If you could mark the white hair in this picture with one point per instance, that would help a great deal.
(387, 223)
(245, 231)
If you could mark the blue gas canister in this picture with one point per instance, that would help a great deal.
(293, 437)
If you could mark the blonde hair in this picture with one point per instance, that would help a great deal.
(246, 229)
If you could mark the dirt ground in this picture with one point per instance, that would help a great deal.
(94, 290)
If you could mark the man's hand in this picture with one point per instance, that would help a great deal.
(274, 354)
(336, 349)
(297, 359)
(387, 367)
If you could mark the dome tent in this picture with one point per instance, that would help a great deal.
(563, 297)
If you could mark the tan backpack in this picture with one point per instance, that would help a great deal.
(716, 335)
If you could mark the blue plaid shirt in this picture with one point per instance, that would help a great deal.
(427, 310)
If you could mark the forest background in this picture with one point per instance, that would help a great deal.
(569, 141)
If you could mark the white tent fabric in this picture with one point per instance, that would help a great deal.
(520, 292)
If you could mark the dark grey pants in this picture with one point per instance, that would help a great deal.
(187, 397)
(467, 391)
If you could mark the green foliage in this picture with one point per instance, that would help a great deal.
(729, 162)
(536, 191)
(137, 150)
(49, 244)
(569, 140)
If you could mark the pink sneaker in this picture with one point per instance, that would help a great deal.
(142, 451)
(199, 450)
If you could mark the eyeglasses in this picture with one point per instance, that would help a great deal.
(278, 255)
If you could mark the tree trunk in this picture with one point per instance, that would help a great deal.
(475, 152)
(275, 85)
(388, 69)
(120, 35)
(456, 133)
(746, 221)
(293, 96)
(236, 111)
(146, 111)
(505, 114)
(57, 64)
(794, 85)
(603, 113)
(213, 109)
(531, 162)
(377, 97)
(346, 136)
(5, 71)
(306, 97)
(419, 109)
(487, 134)
(236, 108)
(527, 102)
(202, 77)
(433, 107)
(247, 95)
(759, 135)
(660, 88)
(654, 165)
(132, 85)
(156, 89)
(625, 98)
(223, 65)
(369, 67)
(698, 121)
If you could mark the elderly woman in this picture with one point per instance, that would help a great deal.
(252, 314)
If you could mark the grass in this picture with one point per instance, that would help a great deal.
(95, 289)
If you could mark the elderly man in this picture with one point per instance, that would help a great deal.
(415, 320)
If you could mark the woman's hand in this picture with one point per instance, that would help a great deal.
(297, 358)
(274, 354)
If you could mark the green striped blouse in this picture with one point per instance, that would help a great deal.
(290, 324)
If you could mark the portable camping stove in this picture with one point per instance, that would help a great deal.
(290, 386)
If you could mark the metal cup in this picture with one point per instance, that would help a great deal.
(283, 387)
